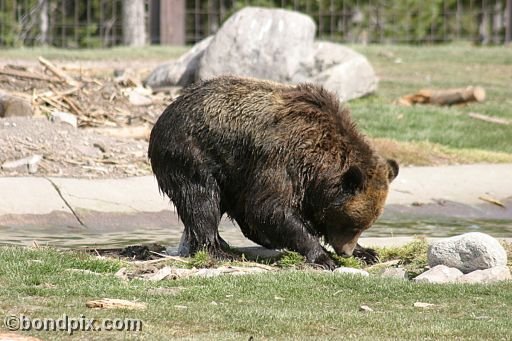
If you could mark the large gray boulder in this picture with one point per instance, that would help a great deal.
(343, 71)
(272, 44)
(263, 43)
(467, 252)
(181, 72)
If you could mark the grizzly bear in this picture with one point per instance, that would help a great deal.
(285, 162)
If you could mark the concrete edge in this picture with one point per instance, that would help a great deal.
(451, 191)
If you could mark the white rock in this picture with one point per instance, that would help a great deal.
(439, 274)
(161, 274)
(33, 163)
(467, 252)
(30, 163)
(263, 43)
(353, 271)
(394, 273)
(183, 71)
(208, 273)
(140, 96)
(365, 308)
(64, 117)
(495, 274)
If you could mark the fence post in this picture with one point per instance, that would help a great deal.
(172, 22)
(508, 29)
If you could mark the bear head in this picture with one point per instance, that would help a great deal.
(359, 203)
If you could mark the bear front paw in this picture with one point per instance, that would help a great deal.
(367, 255)
(322, 260)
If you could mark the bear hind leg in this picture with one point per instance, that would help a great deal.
(199, 208)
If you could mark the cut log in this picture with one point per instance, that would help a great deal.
(445, 96)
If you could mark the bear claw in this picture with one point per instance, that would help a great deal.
(367, 255)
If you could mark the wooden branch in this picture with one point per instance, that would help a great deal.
(58, 71)
(490, 119)
(114, 303)
(445, 96)
(138, 133)
(492, 200)
(26, 74)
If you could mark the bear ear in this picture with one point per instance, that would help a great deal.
(353, 180)
(393, 169)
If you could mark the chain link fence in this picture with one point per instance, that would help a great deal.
(98, 23)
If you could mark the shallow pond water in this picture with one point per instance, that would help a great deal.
(71, 237)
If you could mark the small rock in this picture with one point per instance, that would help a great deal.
(118, 72)
(14, 106)
(467, 252)
(64, 117)
(394, 273)
(180, 306)
(365, 308)
(31, 163)
(439, 274)
(122, 274)
(346, 270)
(182, 273)
(101, 146)
(161, 274)
(140, 96)
(495, 274)
(208, 273)
(423, 305)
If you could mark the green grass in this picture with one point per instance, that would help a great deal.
(288, 304)
(154, 52)
(291, 259)
(412, 256)
(201, 260)
(438, 67)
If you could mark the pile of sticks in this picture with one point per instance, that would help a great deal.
(58, 91)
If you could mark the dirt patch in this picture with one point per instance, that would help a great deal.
(69, 152)
(430, 154)
(113, 110)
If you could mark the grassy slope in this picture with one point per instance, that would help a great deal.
(439, 67)
(285, 305)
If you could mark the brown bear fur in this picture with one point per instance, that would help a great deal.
(285, 162)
